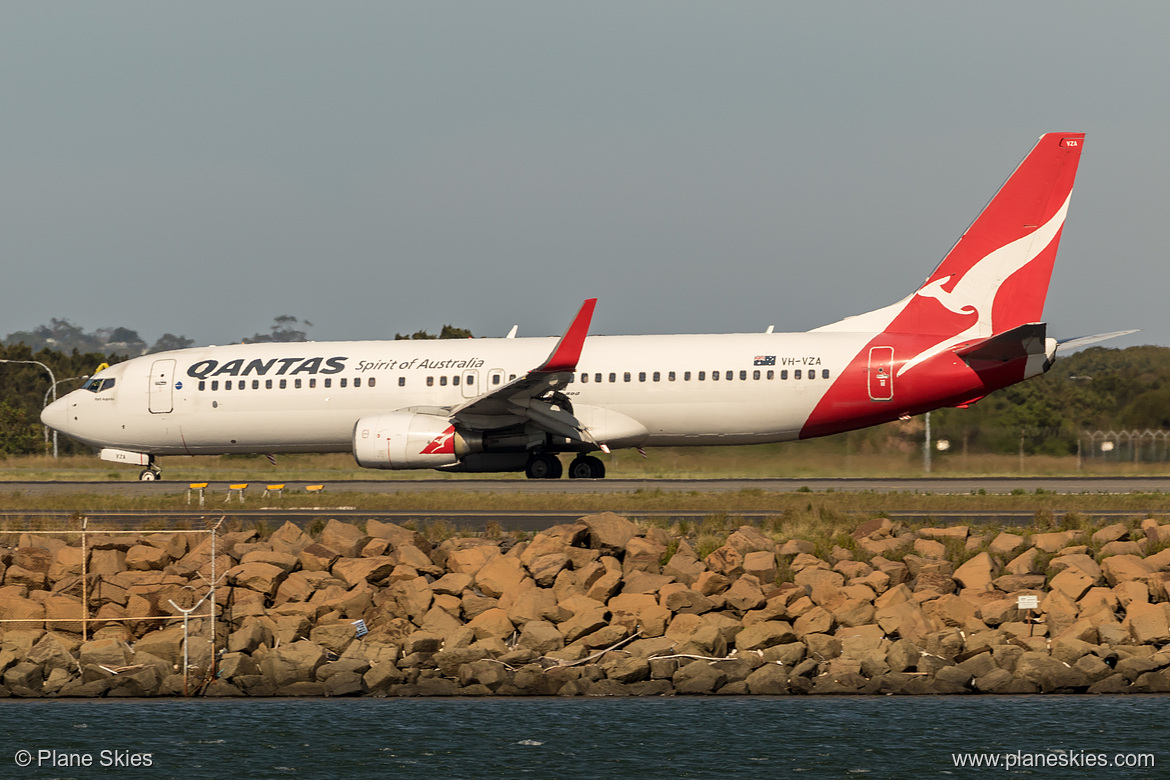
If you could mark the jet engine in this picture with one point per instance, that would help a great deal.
(407, 440)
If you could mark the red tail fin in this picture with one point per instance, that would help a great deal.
(1000, 268)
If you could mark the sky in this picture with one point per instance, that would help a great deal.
(382, 167)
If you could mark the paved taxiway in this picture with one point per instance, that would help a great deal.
(939, 485)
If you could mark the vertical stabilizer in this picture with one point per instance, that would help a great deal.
(996, 276)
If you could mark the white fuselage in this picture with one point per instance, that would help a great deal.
(306, 397)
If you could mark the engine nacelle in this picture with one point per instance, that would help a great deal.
(407, 440)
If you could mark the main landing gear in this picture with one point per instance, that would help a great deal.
(586, 467)
(544, 465)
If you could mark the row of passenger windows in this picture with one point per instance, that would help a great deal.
(297, 383)
(701, 376)
(496, 378)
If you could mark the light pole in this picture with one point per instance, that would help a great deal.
(52, 386)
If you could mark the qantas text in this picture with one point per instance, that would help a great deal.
(262, 367)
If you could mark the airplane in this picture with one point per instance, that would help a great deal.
(514, 404)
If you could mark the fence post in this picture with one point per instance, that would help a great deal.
(84, 583)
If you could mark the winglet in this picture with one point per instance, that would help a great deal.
(567, 352)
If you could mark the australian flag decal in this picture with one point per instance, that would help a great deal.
(764, 360)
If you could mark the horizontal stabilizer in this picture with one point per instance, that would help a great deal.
(1084, 341)
(1019, 342)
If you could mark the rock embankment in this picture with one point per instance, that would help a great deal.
(601, 607)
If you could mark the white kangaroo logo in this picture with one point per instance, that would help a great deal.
(975, 292)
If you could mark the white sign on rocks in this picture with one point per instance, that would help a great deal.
(1028, 602)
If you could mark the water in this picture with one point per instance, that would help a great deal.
(804, 737)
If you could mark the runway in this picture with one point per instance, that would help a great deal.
(924, 485)
(332, 504)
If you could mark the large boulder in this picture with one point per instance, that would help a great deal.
(1147, 623)
(977, 573)
(1049, 674)
(608, 532)
(346, 538)
(261, 577)
(293, 663)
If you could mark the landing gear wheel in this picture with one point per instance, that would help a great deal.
(586, 467)
(150, 475)
(543, 466)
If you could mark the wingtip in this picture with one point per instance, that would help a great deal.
(567, 352)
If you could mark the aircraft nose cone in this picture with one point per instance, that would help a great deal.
(56, 415)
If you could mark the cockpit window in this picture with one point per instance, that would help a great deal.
(97, 384)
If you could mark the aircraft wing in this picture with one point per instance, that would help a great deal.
(522, 399)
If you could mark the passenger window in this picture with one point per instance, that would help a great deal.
(702, 376)
(442, 381)
(812, 373)
(612, 378)
(297, 383)
(430, 381)
(214, 384)
(343, 382)
(267, 384)
(730, 375)
(771, 375)
(743, 376)
(796, 373)
(312, 382)
(686, 376)
(626, 376)
(784, 373)
(371, 382)
(357, 381)
(495, 379)
(584, 377)
(227, 385)
(597, 377)
(657, 376)
(670, 377)
(284, 384)
(641, 376)
(455, 379)
(714, 376)
(824, 373)
(328, 382)
(202, 384)
(756, 374)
